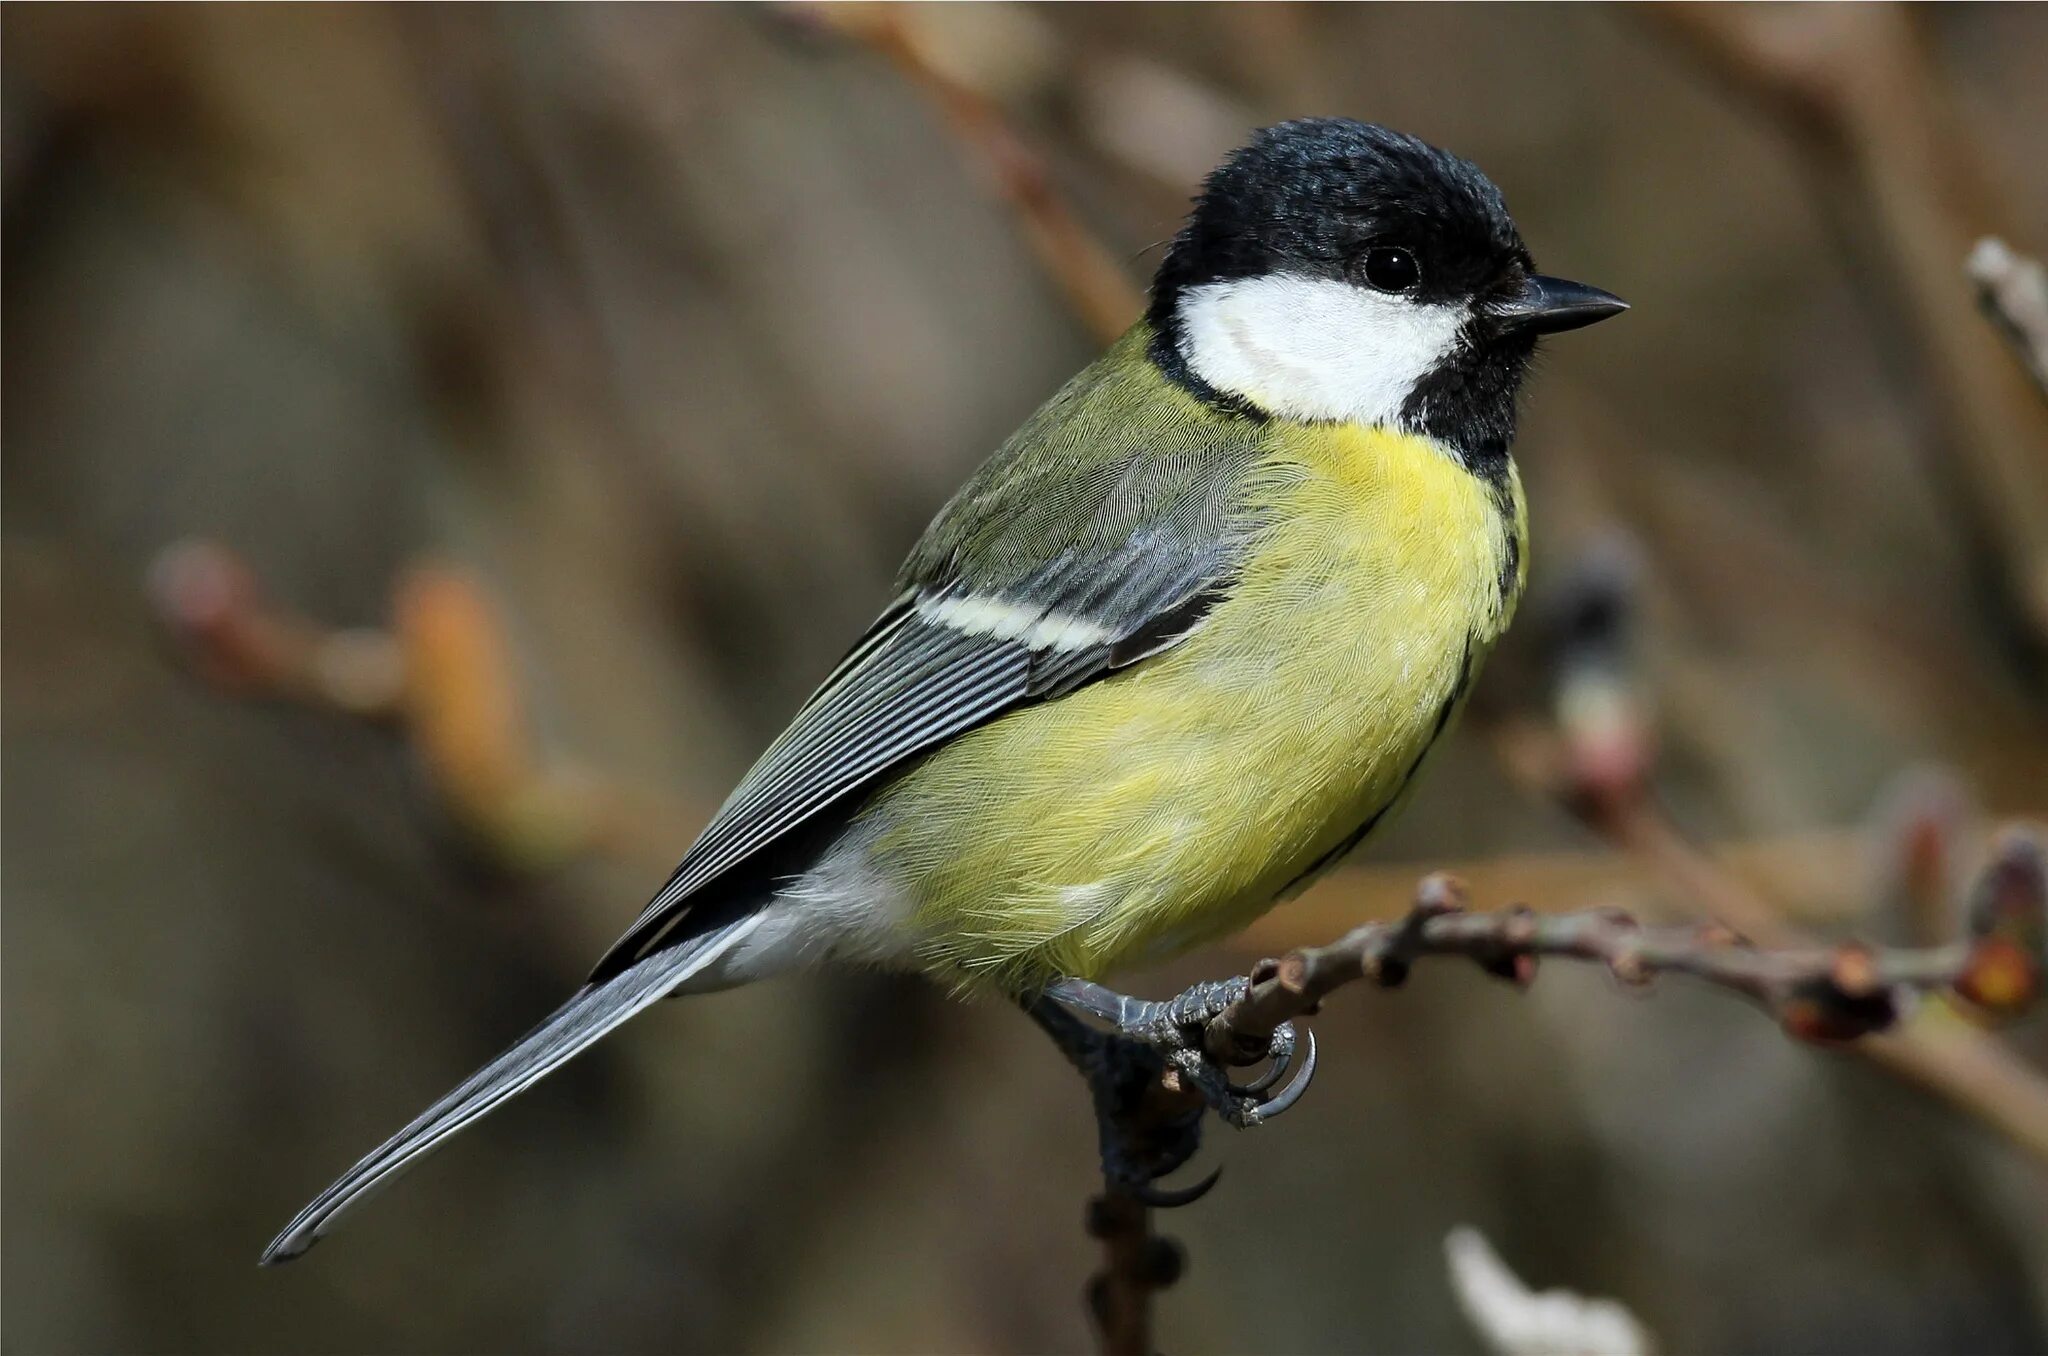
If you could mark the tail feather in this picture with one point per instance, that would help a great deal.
(577, 1024)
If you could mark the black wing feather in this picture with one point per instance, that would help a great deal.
(914, 687)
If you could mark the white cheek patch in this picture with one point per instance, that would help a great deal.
(1315, 348)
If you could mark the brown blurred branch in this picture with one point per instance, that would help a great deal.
(1955, 1061)
(1096, 286)
(213, 608)
(1816, 872)
(443, 675)
(1857, 95)
(1597, 762)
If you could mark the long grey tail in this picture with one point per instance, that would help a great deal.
(595, 1010)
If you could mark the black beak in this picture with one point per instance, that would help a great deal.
(1553, 305)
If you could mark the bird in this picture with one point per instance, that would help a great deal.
(1172, 652)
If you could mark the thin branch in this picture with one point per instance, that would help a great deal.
(1855, 93)
(1849, 996)
(1097, 287)
(214, 610)
(443, 674)
(1137, 1264)
(1817, 993)
(1819, 871)
(1597, 762)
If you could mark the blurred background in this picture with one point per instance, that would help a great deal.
(443, 445)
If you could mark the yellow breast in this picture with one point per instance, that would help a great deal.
(1173, 802)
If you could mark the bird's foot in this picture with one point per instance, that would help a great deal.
(1176, 1031)
(1147, 1131)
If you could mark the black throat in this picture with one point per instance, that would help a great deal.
(1468, 403)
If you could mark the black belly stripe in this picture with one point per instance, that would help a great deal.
(1358, 835)
(1511, 552)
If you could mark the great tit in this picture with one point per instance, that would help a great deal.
(1179, 646)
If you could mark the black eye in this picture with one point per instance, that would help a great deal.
(1391, 269)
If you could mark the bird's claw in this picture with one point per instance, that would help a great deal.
(1178, 1028)
(1280, 1101)
(1171, 1198)
(1247, 1104)
(1280, 1050)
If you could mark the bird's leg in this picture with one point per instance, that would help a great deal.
(1175, 1029)
(1142, 1137)
(1144, 1132)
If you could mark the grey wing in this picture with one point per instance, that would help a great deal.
(966, 642)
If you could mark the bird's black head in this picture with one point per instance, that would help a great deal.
(1333, 269)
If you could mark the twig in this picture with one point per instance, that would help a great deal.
(2013, 290)
(1820, 871)
(1827, 994)
(1918, 831)
(212, 607)
(443, 675)
(1137, 1264)
(1846, 996)
(1587, 764)
(1096, 285)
